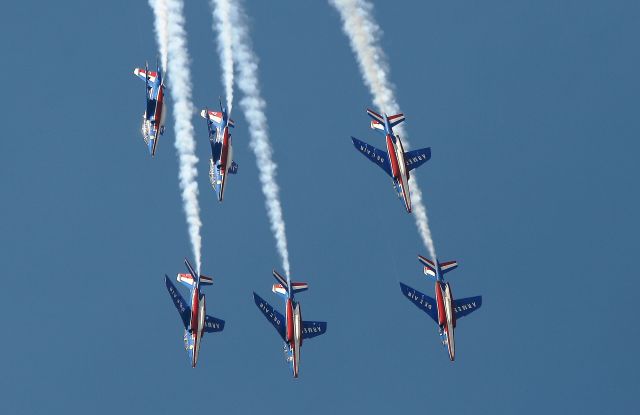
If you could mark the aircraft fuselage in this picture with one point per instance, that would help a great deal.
(226, 156)
(294, 334)
(446, 317)
(196, 325)
(153, 123)
(399, 169)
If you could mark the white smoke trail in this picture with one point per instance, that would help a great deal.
(222, 25)
(180, 86)
(364, 35)
(159, 8)
(254, 106)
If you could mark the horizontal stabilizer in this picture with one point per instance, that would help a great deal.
(204, 280)
(448, 266)
(212, 324)
(377, 156)
(429, 266)
(296, 287)
(183, 309)
(396, 119)
(422, 301)
(216, 117)
(377, 125)
(375, 116)
(185, 279)
(279, 289)
(313, 328)
(270, 313)
(284, 282)
(464, 306)
(415, 158)
(142, 74)
(190, 268)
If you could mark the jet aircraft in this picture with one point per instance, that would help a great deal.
(194, 318)
(444, 310)
(291, 327)
(221, 162)
(395, 161)
(154, 115)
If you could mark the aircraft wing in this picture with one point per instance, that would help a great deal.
(313, 328)
(376, 155)
(423, 302)
(464, 306)
(414, 159)
(183, 309)
(212, 324)
(271, 314)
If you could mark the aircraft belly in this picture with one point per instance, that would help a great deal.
(450, 328)
(403, 178)
(297, 338)
(391, 151)
(451, 345)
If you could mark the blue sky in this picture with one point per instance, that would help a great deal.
(531, 111)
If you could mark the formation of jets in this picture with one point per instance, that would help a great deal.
(395, 161)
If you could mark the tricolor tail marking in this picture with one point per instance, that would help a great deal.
(429, 266)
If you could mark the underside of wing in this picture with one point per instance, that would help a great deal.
(464, 306)
(270, 313)
(415, 158)
(181, 305)
(377, 156)
(212, 324)
(313, 328)
(423, 302)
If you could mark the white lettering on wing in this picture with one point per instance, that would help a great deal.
(419, 300)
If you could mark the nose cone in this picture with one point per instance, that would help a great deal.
(152, 145)
(220, 188)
